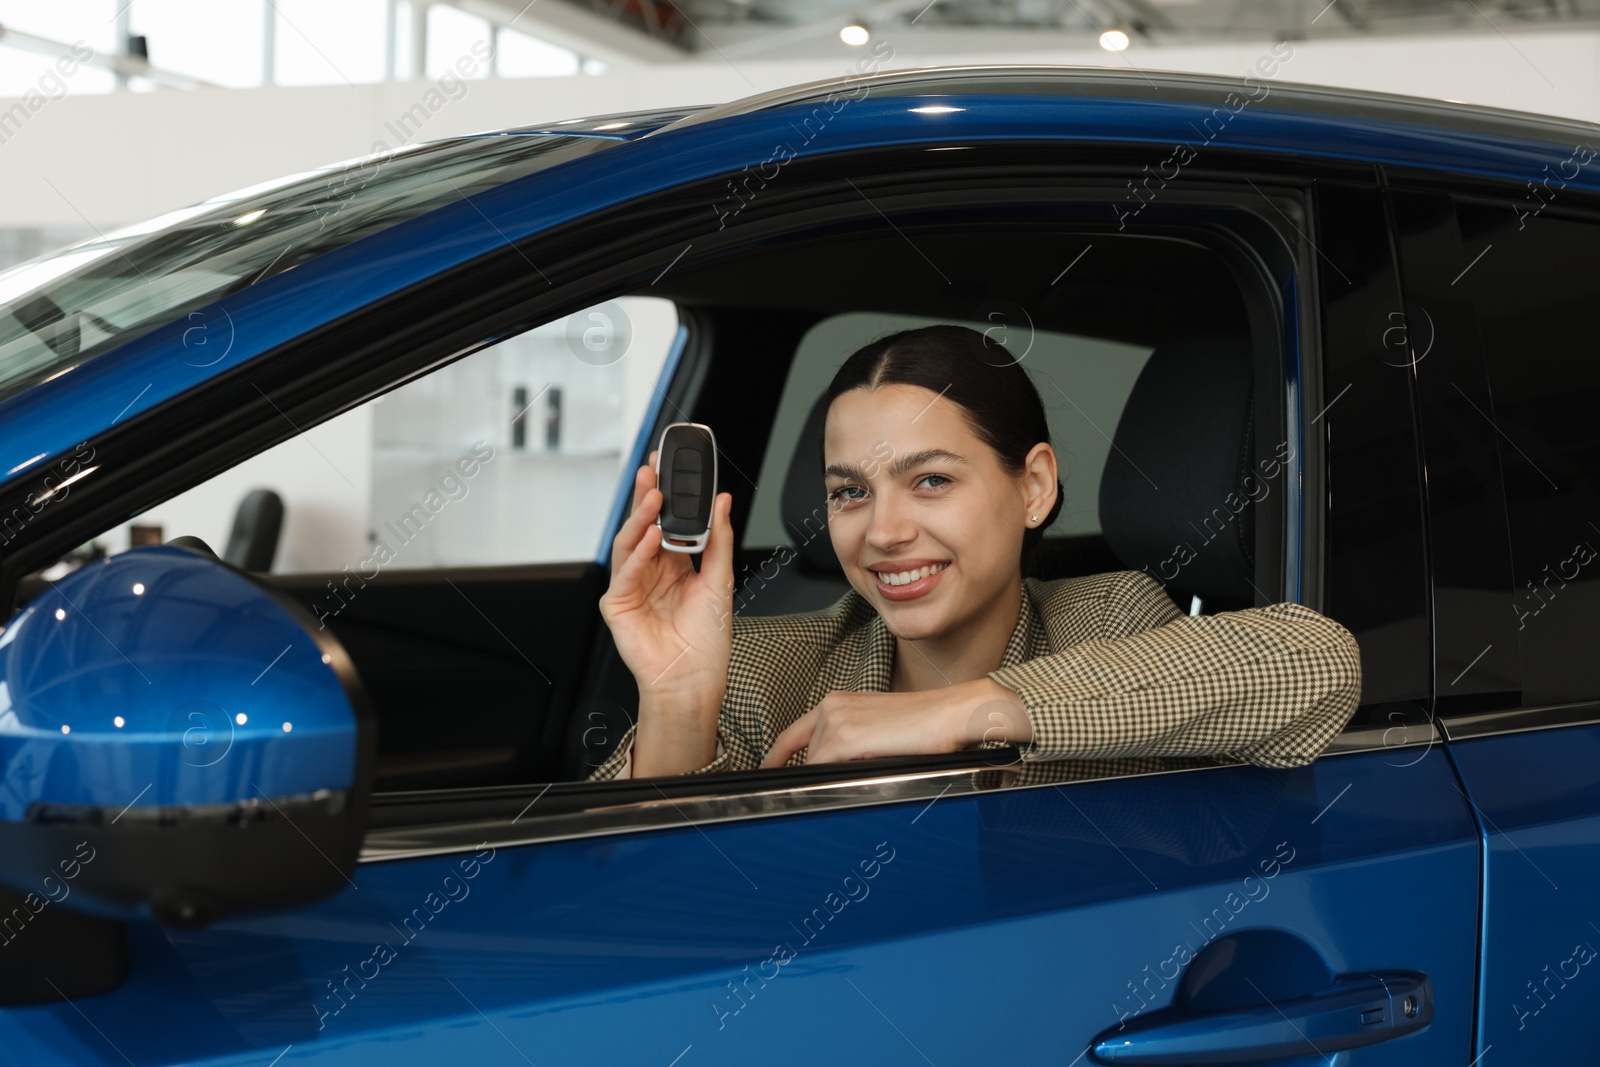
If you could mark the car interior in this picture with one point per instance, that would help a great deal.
(1186, 437)
(505, 675)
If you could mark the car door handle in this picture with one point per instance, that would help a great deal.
(1361, 1009)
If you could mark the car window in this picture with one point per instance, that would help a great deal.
(1175, 457)
(509, 455)
(1084, 383)
(88, 297)
(431, 475)
(1535, 292)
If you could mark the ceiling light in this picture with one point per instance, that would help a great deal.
(1113, 40)
(854, 34)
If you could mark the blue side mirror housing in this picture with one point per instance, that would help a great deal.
(178, 740)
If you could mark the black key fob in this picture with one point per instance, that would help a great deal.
(686, 474)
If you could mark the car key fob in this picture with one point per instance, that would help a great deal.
(686, 474)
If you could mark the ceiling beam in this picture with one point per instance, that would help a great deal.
(120, 63)
(570, 26)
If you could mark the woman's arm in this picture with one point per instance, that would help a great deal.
(774, 663)
(1271, 685)
(671, 625)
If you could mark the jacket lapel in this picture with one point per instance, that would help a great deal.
(1030, 638)
(874, 668)
(874, 665)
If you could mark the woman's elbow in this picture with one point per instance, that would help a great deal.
(1336, 668)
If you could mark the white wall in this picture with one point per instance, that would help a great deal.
(120, 157)
(325, 474)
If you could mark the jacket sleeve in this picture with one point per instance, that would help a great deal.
(774, 663)
(731, 755)
(619, 765)
(1271, 686)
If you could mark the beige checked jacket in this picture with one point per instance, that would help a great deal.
(1107, 666)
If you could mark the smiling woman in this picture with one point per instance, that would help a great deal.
(941, 480)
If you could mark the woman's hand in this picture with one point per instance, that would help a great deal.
(846, 725)
(673, 628)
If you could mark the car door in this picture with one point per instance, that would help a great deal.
(913, 908)
(1504, 273)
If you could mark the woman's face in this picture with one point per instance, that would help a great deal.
(926, 523)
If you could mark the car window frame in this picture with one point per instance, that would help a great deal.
(343, 363)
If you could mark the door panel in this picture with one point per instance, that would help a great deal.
(1033, 919)
(1538, 794)
(473, 670)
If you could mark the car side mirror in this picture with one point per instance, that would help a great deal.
(178, 741)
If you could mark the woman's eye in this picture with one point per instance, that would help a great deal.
(940, 483)
(846, 493)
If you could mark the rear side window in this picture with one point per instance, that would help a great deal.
(1537, 291)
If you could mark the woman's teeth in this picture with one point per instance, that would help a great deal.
(907, 577)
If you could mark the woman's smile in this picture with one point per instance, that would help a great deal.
(907, 579)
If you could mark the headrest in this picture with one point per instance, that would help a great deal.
(1174, 492)
(253, 541)
(805, 496)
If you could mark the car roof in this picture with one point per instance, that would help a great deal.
(618, 125)
(1168, 86)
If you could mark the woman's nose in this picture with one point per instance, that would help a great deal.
(891, 524)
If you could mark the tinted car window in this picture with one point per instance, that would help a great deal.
(91, 296)
(1536, 293)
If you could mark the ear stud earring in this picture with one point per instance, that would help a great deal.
(1033, 518)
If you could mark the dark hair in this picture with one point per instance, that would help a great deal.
(978, 373)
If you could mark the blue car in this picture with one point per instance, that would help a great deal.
(306, 499)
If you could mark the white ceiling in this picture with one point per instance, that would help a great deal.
(657, 31)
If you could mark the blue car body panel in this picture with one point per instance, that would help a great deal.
(1007, 920)
(1539, 799)
(56, 415)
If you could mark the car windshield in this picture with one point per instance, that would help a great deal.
(61, 308)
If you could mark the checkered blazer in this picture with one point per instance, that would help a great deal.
(1114, 677)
